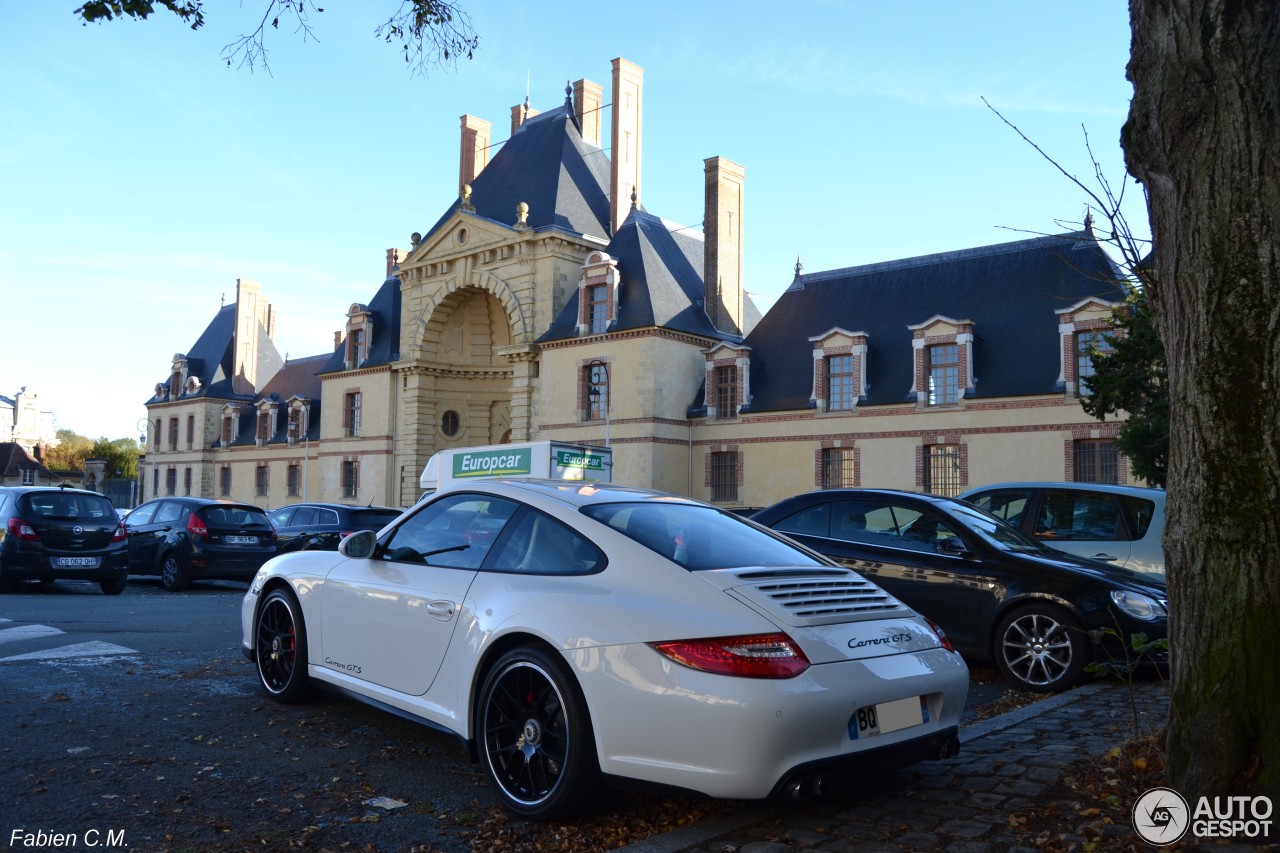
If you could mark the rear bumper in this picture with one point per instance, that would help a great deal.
(41, 566)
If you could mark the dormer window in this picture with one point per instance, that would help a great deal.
(266, 424)
(943, 354)
(1082, 328)
(839, 370)
(177, 376)
(359, 336)
(598, 294)
(298, 421)
(728, 388)
(230, 422)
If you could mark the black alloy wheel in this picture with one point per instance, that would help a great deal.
(280, 648)
(1041, 648)
(536, 736)
(172, 577)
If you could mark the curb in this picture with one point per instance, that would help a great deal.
(684, 837)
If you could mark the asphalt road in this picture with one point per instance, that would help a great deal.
(134, 722)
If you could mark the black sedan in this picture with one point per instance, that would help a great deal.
(186, 539)
(1042, 615)
(61, 534)
(321, 526)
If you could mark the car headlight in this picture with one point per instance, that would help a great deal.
(1139, 606)
(258, 580)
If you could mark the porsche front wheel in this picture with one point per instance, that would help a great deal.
(280, 648)
(536, 737)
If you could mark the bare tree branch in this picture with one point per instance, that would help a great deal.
(432, 33)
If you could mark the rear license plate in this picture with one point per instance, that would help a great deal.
(240, 540)
(888, 717)
(76, 562)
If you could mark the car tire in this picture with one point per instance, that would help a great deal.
(113, 586)
(172, 577)
(1041, 648)
(536, 739)
(280, 648)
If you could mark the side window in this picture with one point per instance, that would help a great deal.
(326, 516)
(143, 514)
(280, 518)
(814, 521)
(456, 531)
(1009, 505)
(304, 517)
(1138, 513)
(540, 545)
(1067, 515)
(169, 511)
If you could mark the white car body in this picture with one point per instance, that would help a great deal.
(418, 640)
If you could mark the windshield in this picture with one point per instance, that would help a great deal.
(994, 530)
(698, 537)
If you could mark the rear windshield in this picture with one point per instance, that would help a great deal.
(373, 519)
(233, 516)
(699, 537)
(66, 506)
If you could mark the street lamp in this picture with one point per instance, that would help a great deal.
(598, 377)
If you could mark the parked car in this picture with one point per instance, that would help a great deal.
(572, 633)
(61, 534)
(321, 526)
(186, 539)
(1117, 524)
(1041, 615)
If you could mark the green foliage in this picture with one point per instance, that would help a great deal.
(120, 455)
(70, 453)
(107, 10)
(1134, 379)
(1140, 649)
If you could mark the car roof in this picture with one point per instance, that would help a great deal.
(1111, 488)
(201, 503)
(577, 493)
(25, 490)
(325, 505)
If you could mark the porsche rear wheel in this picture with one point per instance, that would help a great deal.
(280, 648)
(536, 736)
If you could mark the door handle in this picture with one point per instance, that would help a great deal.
(1106, 558)
(442, 610)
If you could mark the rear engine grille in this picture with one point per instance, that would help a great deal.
(817, 598)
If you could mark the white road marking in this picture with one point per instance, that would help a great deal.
(26, 632)
(94, 649)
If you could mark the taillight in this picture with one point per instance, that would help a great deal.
(121, 535)
(22, 530)
(752, 656)
(195, 526)
(942, 635)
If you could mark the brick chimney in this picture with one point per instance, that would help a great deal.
(588, 103)
(624, 166)
(722, 255)
(521, 113)
(475, 148)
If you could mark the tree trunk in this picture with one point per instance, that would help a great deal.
(1204, 139)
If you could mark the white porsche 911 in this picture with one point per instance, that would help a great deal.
(570, 633)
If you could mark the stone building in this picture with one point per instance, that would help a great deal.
(547, 301)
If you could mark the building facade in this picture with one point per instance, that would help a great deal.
(547, 302)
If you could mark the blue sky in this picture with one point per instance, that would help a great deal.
(140, 177)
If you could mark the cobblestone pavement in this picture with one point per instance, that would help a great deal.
(958, 806)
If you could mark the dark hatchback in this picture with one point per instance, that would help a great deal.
(61, 534)
(321, 526)
(186, 539)
(1040, 614)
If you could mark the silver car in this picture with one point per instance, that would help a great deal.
(1122, 525)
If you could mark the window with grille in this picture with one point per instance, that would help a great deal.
(356, 347)
(597, 376)
(224, 481)
(186, 481)
(351, 413)
(260, 480)
(171, 481)
(1096, 461)
(191, 431)
(840, 383)
(1087, 343)
(944, 374)
(350, 479)
(228, 422)
(838, 468)
(727, 392)
(173, 433)
(293, 480)
(598, 308)
(724, 476)
(942, 470)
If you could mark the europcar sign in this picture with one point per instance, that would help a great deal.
(490, 463)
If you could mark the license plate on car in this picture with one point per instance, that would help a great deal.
(240, 540)
(888, 717)
(76, 562)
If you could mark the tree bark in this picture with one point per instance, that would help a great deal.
(1203, 138)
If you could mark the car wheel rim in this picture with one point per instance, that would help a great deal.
(277, 645)
(1037, 649)
(170, 572)
(527, 737)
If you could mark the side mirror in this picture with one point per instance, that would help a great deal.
(954, 546)
(358, 545)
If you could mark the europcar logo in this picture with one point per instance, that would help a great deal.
(1161, 816)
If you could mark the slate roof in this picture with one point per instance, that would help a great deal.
(1010, 291)
(549, 166)
(212, 360)
(14, 458)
